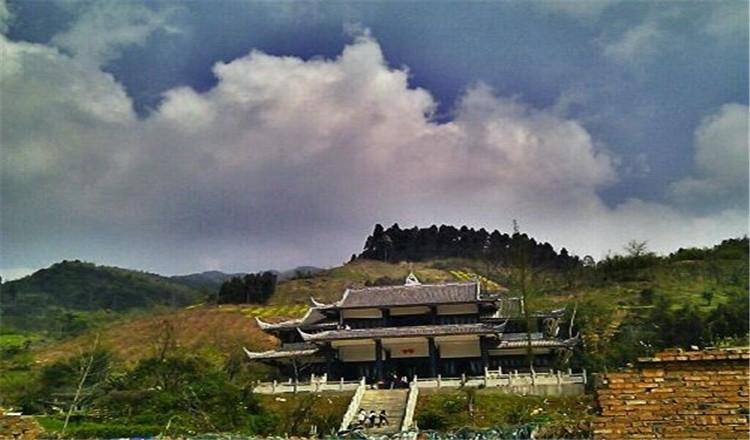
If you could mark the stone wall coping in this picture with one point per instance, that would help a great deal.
(708, 354)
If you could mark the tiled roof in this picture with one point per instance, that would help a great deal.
(421, 294)
(282, 352)
(519, 340)
(312, 318)
(404, 332)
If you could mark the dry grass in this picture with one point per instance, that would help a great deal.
(329, 285)
(213, 332)
(219, 332)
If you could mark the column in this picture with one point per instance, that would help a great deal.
(378, 359)
(432, 349)
(483, 348)
(386, 317)
(329, 363)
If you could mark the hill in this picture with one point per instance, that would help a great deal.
(220, 331)
(328, 285)
(211, 332)
(624, 306)
(53, 299)
(209, 280)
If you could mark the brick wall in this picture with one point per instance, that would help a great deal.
(677, 394)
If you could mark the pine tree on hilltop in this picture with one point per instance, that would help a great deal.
(420, 244)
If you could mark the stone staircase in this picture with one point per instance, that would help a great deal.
(394, 404)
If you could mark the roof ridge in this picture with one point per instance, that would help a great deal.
(415, 286)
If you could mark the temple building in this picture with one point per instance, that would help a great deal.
(449, 329)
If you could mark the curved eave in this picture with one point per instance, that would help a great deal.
(556, 313)
(266, 326)
(403, 332)
(305, 336)
(273, 354)
(318, 304)
(539, 343)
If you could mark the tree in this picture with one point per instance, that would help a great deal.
(636, 248)
(252, 288)
(523, 281)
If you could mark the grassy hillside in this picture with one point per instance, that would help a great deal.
(62, 298)
(623, 311)
(220, 331)
(329, 285)
(209, 281)
(624, 307)
(215, 333)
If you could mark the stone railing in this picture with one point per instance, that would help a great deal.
(314, 385)
(351, 411)
(411, 406)
(548, 382)
(512, 380)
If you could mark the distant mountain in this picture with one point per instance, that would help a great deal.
(298, 272)
(209, 280)
(213, 279)
(76, 286)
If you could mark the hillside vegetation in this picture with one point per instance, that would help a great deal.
(71, 296)
(186, 364)
(329, 285)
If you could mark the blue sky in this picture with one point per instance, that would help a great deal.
(235, 135)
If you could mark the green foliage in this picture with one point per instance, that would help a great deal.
(186, 393)
(250, 289)
(470, 276)
(297, 413)
(53, 387)
(678, 301)
(71, 297)
(123, 429)
(421, 244)
(449, 410)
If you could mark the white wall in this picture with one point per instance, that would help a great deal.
(409, 349)
(357, 353)
(462, 349)
(417, 310)
(456, 309)
(361, 313)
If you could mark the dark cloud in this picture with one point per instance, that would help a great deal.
(289, 160)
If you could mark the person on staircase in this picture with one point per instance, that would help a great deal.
(382, 418)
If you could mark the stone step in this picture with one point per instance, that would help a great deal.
(394, 404)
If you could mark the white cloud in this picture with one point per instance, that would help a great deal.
(104, 28)
(286, 158)
(721, 161)
(728, 20)
(5, 17)
(636, 45)
(584, 10)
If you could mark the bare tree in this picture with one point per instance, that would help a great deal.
(636, 248)
(84, 370)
